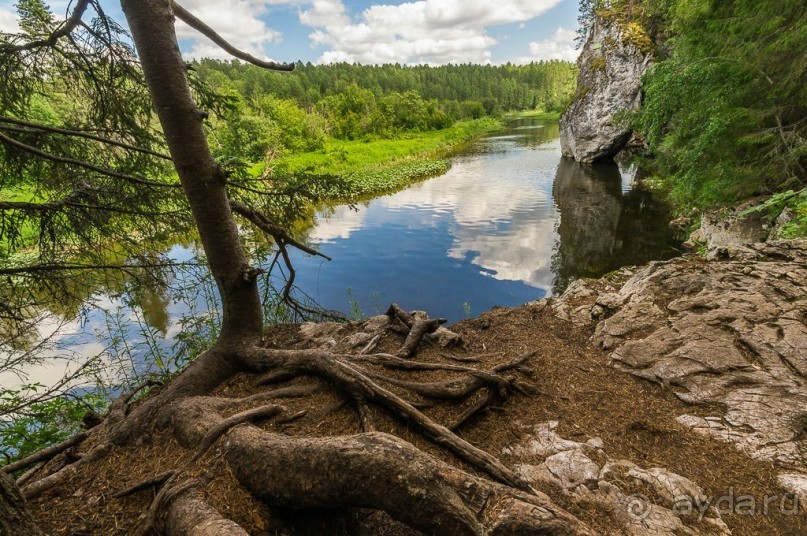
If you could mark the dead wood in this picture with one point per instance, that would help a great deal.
(418, 328)
(45, 454)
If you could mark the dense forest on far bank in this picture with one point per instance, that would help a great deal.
(269, 112)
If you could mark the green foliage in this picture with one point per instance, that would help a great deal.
(41, 424)
(598, 63)
(546, 85)
(724, 113)
(794, 204)
(354, 169)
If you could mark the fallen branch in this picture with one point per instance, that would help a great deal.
(158, 480)
(45, 454)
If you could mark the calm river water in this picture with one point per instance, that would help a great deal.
(511, 222)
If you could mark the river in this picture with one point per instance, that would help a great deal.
(510, 222)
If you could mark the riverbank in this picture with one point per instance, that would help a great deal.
(620, 453)
(346, 170)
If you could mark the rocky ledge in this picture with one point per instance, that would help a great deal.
(611, 65)
(728, 334)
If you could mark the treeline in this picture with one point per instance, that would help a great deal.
(725, 108)
(546, 84)
(297, 111)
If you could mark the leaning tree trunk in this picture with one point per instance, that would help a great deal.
(204, 182)
(14, 519)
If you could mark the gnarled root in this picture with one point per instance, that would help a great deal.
(371, 470)
(190, 513)
(352, 380)
(366, 470)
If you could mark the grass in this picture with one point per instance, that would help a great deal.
(537, 114)
(343, 156)
(354, 169)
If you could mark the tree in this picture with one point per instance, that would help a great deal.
(374, 470)
(736, 70)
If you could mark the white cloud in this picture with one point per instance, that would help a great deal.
(8, 21)
(237, 21)
(558, 47)
(425, 31)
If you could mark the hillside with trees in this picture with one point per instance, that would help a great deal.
(725, 105)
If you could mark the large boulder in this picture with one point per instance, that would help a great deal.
(611, 65)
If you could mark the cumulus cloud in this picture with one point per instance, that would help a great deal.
(425, 31)
(558, 47)
(8, 21)
(237, 21)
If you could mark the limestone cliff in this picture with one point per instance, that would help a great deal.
(611, 64)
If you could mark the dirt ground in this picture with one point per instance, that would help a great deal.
(576, 387)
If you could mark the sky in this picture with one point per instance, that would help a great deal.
(433, 32)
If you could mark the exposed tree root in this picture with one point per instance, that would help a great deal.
(367, 470)
(38, 487)
(371, 470)
(418, 328)
(14, 519)
(350, 379)
(158, 480)
(190, 513)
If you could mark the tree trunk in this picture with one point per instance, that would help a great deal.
(14, 519)
(152, 26)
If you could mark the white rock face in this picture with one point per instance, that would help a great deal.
(609, 82)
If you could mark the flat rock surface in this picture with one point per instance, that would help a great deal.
(728, 334)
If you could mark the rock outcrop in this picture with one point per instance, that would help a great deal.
(729, 335)
(643, 502)
(612, 62)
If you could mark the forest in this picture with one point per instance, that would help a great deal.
(270, 111)
(725, 107)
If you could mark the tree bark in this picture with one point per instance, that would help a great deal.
(14, 519)
(152, 26)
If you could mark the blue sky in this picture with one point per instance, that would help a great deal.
(367, 31)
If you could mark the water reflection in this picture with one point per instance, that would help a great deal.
(602, 228)
(510, 222)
